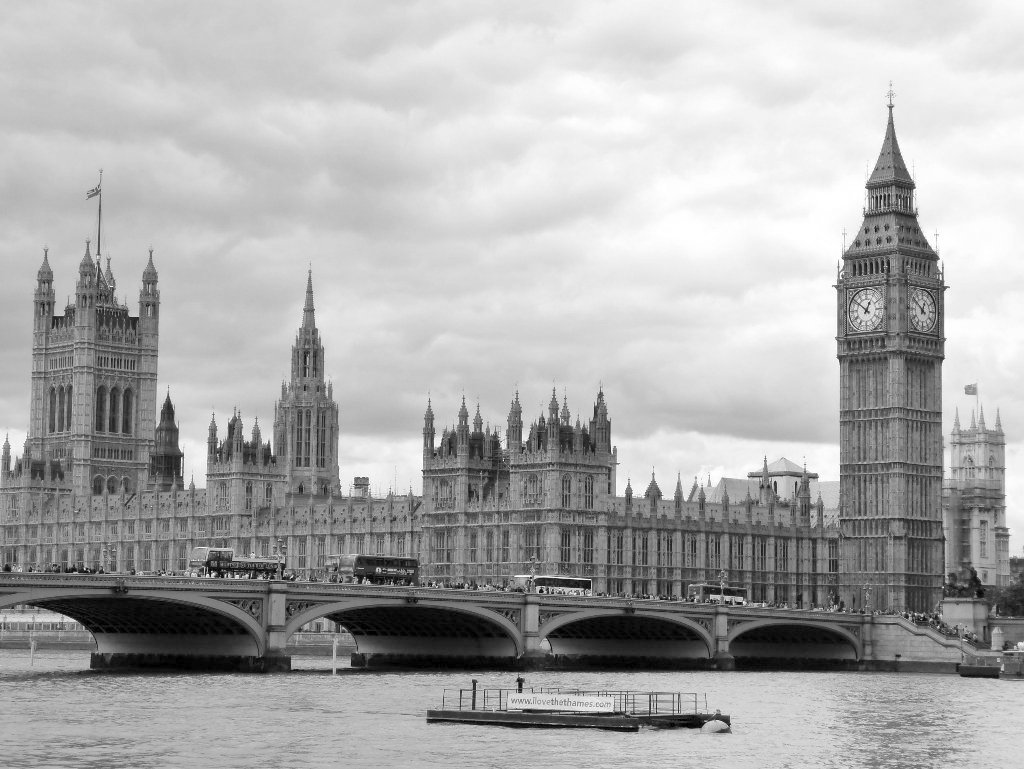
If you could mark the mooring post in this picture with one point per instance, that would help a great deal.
(519, 684)
(474, 695)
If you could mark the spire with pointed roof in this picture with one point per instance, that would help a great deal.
(308, 317)
(45, 274)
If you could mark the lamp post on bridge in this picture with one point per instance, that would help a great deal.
(867, 597)
(722, 575)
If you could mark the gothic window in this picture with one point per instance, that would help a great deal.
(298, 438)
(268, 493)
(67, 407)
(307, 428)
(115, 402)
(321, 552)
(472, 547)
(97, 484)
(112, 484)
(506, 550)
(53, 409)
(566, 491)
(60, 410)
(248, 495)
(588, 546)
(305, 363)
(565, 548)
(126, 413)
(101, 408)
(490, 547)
(588, 492)
(126, 484)
(321, 440)
(532, 543)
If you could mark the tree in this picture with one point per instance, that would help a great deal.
(1010, 599)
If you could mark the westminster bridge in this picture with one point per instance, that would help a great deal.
(203, 623)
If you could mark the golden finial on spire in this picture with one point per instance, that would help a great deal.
(891, 94)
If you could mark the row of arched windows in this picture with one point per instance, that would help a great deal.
(60, 409)
(111, 484)
(114, 410)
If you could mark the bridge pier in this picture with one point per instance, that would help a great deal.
(723, 659)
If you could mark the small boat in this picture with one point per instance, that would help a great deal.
(622, 711)
(1005, 664)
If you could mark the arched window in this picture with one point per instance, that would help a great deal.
(111, 485)
(248, 495)
(126, 413)
(67, 407)
(566, 491)
(101, 408)
(268, 493)
(305, 363)
(115, 406)
(53, 409)
(307, 429)
(588, 492)
(97, 484)
(61, 405)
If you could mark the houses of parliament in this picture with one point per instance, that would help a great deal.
(99, 480)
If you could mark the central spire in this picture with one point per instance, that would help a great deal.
(890, 166)
(308, 319)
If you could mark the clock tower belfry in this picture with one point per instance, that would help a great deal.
(890, 345)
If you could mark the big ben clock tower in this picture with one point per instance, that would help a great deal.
(890, 347)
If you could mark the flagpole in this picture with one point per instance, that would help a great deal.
(99, 215)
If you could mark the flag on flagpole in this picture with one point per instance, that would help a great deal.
(971, 389)
(93, 192)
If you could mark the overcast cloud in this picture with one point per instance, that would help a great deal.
(499, 196)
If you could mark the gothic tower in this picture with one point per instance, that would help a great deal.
(974, 501)
(306, 417)
(890, 342)
(94, 369)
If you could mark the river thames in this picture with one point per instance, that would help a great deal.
(55, 713)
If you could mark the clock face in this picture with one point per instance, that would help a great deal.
(867, 309)
(922, 309)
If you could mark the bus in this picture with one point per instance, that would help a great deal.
(373, 569)
(704, 592)
(550, 584)
(222, 562)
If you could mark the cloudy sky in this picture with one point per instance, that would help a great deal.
(648, 196)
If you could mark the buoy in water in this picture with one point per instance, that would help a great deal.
(714, 726)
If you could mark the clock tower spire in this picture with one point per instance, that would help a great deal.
(890, 346)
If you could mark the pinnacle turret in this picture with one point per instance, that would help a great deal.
(45, 274)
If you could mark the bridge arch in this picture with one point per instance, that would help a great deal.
(407, 627)
(155, 623)
(793, 638)
(617, 632)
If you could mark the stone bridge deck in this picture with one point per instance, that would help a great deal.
(245, 624)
